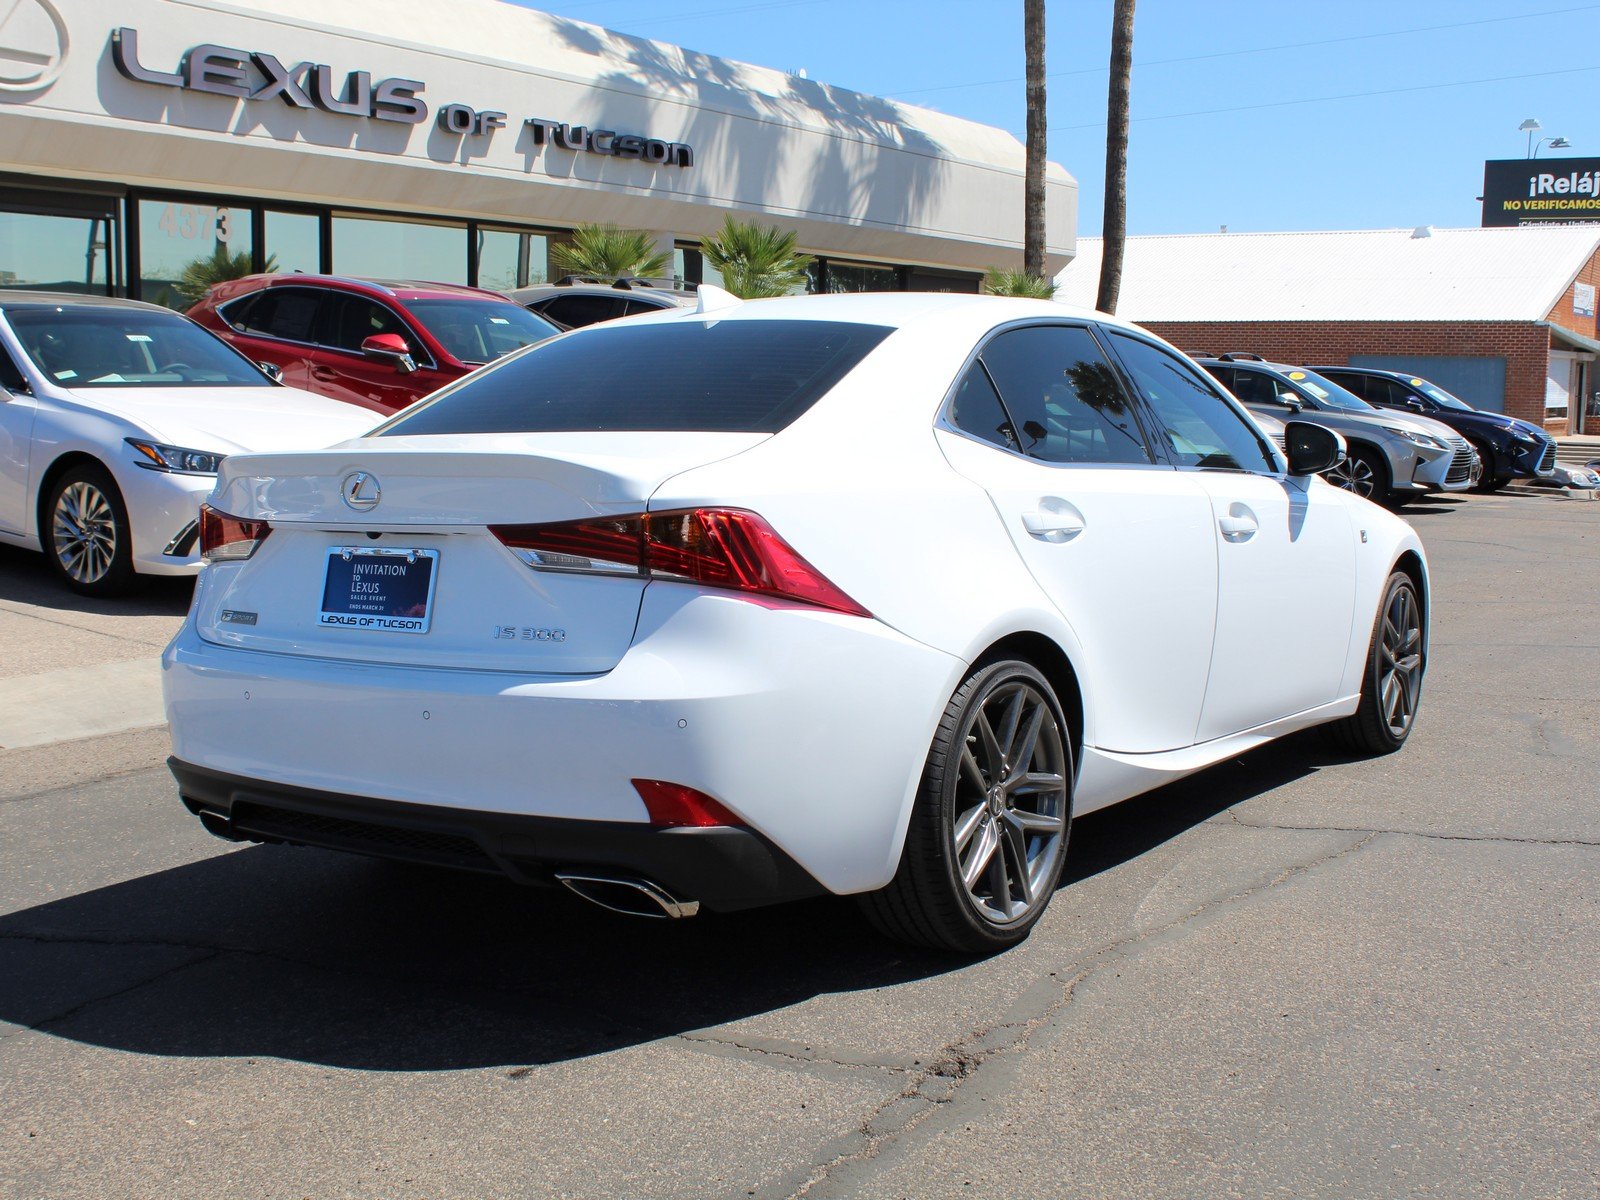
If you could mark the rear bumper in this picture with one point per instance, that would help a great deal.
(812, 727)
(724, 868)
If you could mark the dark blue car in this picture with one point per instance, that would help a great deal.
(1509, 448)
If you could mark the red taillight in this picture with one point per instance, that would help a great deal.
(718, 547)
(677, 805)
(225, 538)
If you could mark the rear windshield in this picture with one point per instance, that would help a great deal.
(703, 376)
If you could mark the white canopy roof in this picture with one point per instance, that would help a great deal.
(1511, 274)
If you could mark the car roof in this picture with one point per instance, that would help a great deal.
(23, 298)
(544, 291)
(395, 289)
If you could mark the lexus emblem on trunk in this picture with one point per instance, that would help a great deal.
(361, 491)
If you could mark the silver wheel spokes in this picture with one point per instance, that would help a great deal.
(1400, 662)
(1010, 803)
(1353, 475)
(85, 531)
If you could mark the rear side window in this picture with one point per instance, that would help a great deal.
(287, 312)
(1063, 397)
(977, 410)
(713, 376)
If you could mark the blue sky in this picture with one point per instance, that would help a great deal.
(1233, 117)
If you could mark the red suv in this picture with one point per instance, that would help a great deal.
(379, 344)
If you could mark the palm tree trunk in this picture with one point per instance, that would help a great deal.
(1033, 177)
(1116, 205)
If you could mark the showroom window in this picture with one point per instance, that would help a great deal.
(188, 243)
(512, 258)
(293, 241)
(831, 275)
(58, 242)
(379, 248)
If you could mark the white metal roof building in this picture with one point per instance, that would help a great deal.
(454, 141)
(1504, 317)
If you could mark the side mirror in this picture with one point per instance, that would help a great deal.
(393, 348)
(1414, 404)
(1291, 401)
(1310, 448)
(272, 371)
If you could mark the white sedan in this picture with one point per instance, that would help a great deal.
(113, 418)
(850, 594)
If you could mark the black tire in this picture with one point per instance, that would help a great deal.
(1020, 812)
(1488, 481)
(1398, 648)
(83, 528)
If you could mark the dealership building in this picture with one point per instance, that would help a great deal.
(1503, 317)
(456, 142)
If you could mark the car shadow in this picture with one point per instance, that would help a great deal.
(331, 959)
(25, 578)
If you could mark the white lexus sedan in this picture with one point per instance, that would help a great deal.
(851, 594)
(113, 418)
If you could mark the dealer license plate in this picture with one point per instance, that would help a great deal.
(382, 589)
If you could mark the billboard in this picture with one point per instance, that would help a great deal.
(1549, 191)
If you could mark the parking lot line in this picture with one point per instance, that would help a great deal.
(80, 702)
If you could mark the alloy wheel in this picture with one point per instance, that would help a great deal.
(1010, 803)
(1353, 474)
(84, 528)
(1400, 661)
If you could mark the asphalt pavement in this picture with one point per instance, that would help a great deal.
(1291, 975)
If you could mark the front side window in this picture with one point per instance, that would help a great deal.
(480, 331)
(1259, 387)
(1200, 428)
(348, 320)
(582, 309)
(118, 347)
(1063, 396)
(717, 376)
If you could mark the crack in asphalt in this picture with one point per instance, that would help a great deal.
(83, 1005)
(1505, 839)
(938, 1085)
(804, 1055)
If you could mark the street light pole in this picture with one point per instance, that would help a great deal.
(1531, 126)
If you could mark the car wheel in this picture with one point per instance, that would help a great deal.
(988, 833)
(1488, 481)
(1391, 685)
(1360, 472)
(85, 532)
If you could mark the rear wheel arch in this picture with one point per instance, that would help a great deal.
(1045, 654)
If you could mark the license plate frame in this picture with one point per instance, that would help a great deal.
(391, 607)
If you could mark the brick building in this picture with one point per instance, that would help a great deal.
(1504, 318)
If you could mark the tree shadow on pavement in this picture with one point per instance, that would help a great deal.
(325, 958)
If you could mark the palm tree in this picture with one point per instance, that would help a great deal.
(1033, 175)
(1017, 283)
(607, 252)
(756, 260)
(199, 276)
(1116, 207)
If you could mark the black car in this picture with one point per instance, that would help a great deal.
(1509, 448)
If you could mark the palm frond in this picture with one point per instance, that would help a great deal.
(608, 252)
(1018, 283)
(756, 260)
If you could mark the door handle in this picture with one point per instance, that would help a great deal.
(323, 373)
(1053, 526)
(1238, 528)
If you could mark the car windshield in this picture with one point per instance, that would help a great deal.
(1439, 396)
(750, 376)
(84, 347)
(1327, 392)
(480, 331)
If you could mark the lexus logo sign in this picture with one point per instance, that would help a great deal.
(361, 491)
(33, 45)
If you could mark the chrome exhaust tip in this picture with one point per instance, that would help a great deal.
(633, 897)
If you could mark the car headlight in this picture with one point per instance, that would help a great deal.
(1421, 439)
(177, 459)
(1523, 438)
